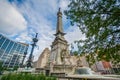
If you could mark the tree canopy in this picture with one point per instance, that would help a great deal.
(99, 20)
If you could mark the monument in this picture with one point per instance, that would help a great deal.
(58, 60)
(60, 56)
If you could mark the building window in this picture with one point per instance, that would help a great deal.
(9, 47)
(18, 48)
(22, 50)
(5, 44)
(13, 49)
(2, 41)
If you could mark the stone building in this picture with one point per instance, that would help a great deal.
(43, 59)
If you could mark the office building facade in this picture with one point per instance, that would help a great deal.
(11, 53)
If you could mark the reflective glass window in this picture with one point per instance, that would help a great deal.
(1, 52)
(14, 48)
(3, 58)
(5, 44)
(18, 48)
(11, 64)
(22, 49)
(6, 62)
(1, 41)
(9, 47)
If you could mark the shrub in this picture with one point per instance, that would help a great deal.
(22, 76)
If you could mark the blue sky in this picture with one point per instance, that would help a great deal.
(21, 19)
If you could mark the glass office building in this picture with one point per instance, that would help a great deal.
(11, 52)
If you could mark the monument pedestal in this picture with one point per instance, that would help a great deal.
(67, 69)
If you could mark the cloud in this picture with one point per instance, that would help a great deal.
(24, 37)
(73, 34)
(40, 16)
(11, 21)
(40, 19)
(63, 4)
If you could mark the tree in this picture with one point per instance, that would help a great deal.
(1, 68)
(99, 20)
(75, 53)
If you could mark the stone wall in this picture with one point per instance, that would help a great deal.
(43, 58)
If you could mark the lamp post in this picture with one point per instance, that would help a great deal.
(35, 40)
(25, 53)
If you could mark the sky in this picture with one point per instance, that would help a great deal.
(20, 20)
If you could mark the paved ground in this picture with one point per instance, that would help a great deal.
(103, 77)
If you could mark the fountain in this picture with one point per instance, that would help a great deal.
(83, 70)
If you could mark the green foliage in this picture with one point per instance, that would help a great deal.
(99, 20)
(15, 68)
(1, 68)
(23, 76)
(75, 53)
(90, 59)
(0, 65)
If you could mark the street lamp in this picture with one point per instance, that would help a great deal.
(29, 62)
(25, 53)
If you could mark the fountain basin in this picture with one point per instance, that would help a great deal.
(83, 70)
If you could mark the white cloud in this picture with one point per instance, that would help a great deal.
(24, 37)
(63, 4)
(73, 34)
(11, 21)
